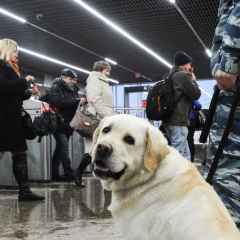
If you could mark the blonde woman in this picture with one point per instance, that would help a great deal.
(13, 90)
(100, 103)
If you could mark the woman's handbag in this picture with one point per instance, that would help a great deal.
(27, 124)
(84, 122)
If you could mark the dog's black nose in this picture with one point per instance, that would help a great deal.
(104, 150)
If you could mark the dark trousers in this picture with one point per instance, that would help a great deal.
(190, 138)
(61, 156)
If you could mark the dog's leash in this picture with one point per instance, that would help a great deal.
(206, 129)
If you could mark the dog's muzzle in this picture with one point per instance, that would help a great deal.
(103, 152)
(101, 167)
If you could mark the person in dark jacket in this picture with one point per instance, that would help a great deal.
(12, 93)
(185, 91)
(63, 97)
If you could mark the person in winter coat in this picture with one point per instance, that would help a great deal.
(225, 64)
(185, 91)
(63, 97)
(13, 90)
(100, 103)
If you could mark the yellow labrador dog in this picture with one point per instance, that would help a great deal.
(157, 194)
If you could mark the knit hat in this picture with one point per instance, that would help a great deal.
(68, 73)
(181, 58)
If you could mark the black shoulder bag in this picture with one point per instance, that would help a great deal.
(27, 124)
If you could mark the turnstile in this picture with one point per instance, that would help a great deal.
(39, 154)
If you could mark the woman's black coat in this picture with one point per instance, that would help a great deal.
(12, 93)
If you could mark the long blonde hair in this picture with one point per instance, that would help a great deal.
(7, 47)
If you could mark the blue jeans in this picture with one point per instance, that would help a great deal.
(178, 138)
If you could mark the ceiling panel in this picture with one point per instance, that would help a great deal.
(155, 22)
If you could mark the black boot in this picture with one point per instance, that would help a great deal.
(86, 160)
(20, 171)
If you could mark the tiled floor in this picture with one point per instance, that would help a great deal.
(67, 213)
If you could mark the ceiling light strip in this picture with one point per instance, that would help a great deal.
(59, 62)
(13, 16)
(24, 21)
(110, 61)
(122, 32)
(53, 60)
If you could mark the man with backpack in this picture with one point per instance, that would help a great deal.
(185, 90)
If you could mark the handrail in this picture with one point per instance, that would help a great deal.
(118, 108)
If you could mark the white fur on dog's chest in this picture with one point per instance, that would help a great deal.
(142, 217)
(163, 223)
(157, 216)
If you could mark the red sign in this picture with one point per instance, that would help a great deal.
(144, 103)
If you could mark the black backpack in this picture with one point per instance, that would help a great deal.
(160, 99)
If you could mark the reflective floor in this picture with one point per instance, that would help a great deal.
(67, 213)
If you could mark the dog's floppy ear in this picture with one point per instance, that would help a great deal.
(156, 149)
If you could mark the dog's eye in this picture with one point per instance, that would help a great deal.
(106, 130)
(129, 140)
